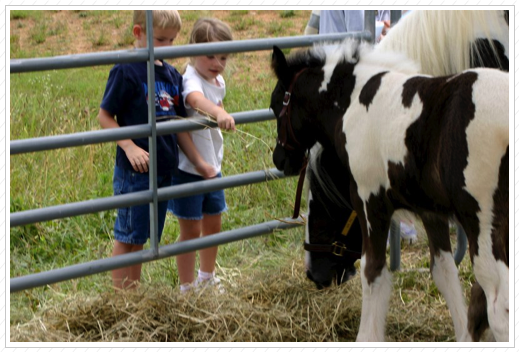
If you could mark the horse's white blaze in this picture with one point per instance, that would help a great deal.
(481, 180)
(375, 303)
(445, 275)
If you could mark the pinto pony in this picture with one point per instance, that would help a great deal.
(435, 146)
(481, 40)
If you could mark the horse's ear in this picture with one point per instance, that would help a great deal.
(280, 66)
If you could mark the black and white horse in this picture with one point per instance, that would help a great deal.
(436, 146)
(333, 238)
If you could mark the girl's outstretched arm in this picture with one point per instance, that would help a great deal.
(198, 101)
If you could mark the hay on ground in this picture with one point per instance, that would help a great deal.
(260, 306)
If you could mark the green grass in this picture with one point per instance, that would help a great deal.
(67, 101)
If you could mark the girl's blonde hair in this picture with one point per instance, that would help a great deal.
(207, 30)
(161, 19)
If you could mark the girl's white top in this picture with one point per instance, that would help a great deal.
(209, 141)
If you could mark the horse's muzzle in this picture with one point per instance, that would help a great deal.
(319, 285)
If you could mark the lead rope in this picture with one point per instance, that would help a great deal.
(299, 191)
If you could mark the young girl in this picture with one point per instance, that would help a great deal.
(204, 89)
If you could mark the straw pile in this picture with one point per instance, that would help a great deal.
(266, 305)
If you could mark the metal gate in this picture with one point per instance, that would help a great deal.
(151, 130)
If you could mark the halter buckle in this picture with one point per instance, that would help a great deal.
(338, 249)
(286, 99)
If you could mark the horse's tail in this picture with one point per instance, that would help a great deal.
(426, 36)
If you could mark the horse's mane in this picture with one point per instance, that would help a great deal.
(321, 176)
(328, 55)
(440, 40)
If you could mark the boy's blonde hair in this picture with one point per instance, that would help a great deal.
(161, 19)
(207, 30)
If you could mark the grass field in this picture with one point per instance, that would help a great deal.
(67, 101)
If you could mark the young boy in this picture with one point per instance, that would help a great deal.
(125, 103)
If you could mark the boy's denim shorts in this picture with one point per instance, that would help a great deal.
(132, 225)
(194, 207)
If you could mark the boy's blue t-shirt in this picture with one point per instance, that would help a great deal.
(126, 98)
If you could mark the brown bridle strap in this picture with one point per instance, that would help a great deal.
(286, 131)
(336, 248)
(286, 125)
(299, 191)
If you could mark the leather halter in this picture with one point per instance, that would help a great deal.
(337, 248)
(286, 131)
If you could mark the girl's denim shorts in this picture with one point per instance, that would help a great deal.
(132, 225)
(194, 207)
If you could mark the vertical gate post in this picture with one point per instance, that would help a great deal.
(369, 23)
(152, 140)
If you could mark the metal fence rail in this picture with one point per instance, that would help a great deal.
(39, 144)
(139, 55)
(102, 265)
(136, 198)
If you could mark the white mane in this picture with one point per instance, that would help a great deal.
(352, 51)
(440, 40)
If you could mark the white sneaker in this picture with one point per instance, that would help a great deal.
(408, 233)
(186, 288)
(213, 282)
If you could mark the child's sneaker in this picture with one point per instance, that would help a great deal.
(186, 288)
(213, 282)
(408, 233)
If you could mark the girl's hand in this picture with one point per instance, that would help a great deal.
(205, 170)
(139, 158)
(225, 121)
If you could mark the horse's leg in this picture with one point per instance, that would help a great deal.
(445, 273)
(490, 264)
(375, 276)
(487, 231)
(477, 316)
(492, 274)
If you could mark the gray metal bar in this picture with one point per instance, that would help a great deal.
(143, 197)
(193, 188)
(394, 246)
(152, 139)
(239, 46)
(79, 208)
(77, 60)
(85, 138)
(139, 55)
(369, 24)
(102, 265)
(395, 16)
